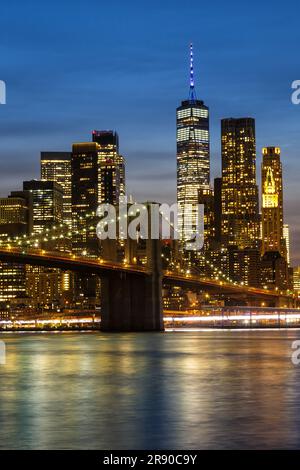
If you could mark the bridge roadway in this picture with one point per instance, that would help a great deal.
(131, 294)
(66, 262)
(99, 266)
(220, 286)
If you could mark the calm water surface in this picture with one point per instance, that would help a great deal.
(187, 390)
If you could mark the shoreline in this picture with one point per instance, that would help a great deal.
(168, 329)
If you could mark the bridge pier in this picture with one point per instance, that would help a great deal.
(133, 301)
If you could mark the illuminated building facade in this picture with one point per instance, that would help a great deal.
(56, 166)
(15, 220)
(14, 211)
(85, 197)
(240, 214)
(98, 176)
(286, 237)
(193, 156)
(111, 167)
(47, 203)
(245, 266)
(296, 280)
(43, 284)
(272, 202)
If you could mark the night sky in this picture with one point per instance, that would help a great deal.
(71, 67)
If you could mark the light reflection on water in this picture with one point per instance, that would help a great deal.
(187, 390)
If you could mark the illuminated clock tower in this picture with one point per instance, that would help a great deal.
(272, 202)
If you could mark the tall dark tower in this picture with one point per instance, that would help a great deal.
(111, 167)
(85, 197)
(240, 214)
(193, 160)
(84, 162)
(98, 176)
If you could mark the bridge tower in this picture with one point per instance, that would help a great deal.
(133, 301)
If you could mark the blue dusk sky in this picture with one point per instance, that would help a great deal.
(74, 66)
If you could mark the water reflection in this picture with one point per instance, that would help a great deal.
(208, 389)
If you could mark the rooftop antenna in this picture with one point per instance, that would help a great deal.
(192, 95)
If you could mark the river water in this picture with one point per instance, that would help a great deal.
(177, 390)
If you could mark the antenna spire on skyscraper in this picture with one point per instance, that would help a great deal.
(192, 96)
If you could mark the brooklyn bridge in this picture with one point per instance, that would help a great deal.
(131, 292)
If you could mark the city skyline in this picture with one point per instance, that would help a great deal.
(149, 229)
(31, 121)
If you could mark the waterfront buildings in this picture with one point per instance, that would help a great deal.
(73, 184)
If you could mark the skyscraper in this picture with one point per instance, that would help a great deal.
(240, 214)
(193, 156)
(43, 284)
(85, 197)
(47, 203)
(111, 167)
(272, 202)
(98, 176)
(56, 166)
